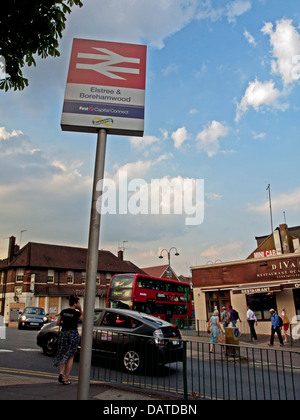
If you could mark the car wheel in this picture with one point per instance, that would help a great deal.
(50, 345)
(131, 361)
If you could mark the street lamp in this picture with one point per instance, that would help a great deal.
(169, 258)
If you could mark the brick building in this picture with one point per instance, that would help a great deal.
(46, 275)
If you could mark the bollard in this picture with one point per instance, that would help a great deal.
(232, 337)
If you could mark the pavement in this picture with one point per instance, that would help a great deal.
(20, 386)
(14, 387)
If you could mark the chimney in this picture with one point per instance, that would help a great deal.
(120, 254)
(11, 248)
(285, 238)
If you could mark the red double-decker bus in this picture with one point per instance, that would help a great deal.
(163, 298)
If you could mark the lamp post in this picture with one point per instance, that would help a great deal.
(169, 258)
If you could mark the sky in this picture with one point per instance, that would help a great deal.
(222, 106)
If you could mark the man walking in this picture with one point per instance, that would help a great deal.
(251, 318)
(275, 321)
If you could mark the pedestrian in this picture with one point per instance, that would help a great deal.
(252, 320)
(215, 329)
(225, 318)
(275, 321)
(234, 316)
(68, 340)
(286, 324)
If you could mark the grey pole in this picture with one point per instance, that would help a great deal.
(91, 268)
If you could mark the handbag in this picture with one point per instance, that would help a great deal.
(209, 328)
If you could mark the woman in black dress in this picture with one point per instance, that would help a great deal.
(68, 340)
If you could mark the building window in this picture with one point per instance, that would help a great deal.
(98, 278)
(215, 300)
(20, 275)
(70, 278)
(296, 293)
(83, 277)
(261, 303)
(108, 279)
(50, 278)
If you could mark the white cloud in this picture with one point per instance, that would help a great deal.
(139, 20)
(209, 137)
(35, 188)
(250, 38)
(258, 135)
(230, 251)
(213, 196)
(260, 95)
(170, 69)
(280, 202)
(285, 43)
(237, 8)
(231, 10)
(133, 169)
(179, 137)
(5, 135)
(143, 142)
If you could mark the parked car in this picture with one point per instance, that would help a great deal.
(32, 317)
(133, 339)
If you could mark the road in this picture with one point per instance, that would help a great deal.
(19, 355)
(257, 374)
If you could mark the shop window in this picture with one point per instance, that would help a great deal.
(296, 293)
(261, 303)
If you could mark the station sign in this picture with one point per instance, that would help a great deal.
(105, 88)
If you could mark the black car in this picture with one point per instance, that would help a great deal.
(133, 339)
(32, 317)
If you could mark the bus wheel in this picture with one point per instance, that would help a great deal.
(131, 361)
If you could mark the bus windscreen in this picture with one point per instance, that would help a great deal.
(120, 291)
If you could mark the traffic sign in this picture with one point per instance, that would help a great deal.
(105, 88)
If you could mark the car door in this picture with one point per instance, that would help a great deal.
(113, 334)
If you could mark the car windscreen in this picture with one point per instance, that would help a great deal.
(34, 311)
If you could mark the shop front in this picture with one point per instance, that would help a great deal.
(264, 284)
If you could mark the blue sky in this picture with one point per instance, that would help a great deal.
(222, 105)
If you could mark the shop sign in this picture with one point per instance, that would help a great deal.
(254, 290)
(283, 269)
(264, 254)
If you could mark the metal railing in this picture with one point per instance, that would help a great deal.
(228, 373)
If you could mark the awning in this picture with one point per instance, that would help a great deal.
(291, 285)
(252, 289)
(216, 289)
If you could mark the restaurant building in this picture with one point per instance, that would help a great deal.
(268, 278)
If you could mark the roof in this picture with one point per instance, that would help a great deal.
(159, 271)
(61, 257)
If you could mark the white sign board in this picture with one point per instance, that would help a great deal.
(105, 88)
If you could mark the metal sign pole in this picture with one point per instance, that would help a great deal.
(92, 267)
